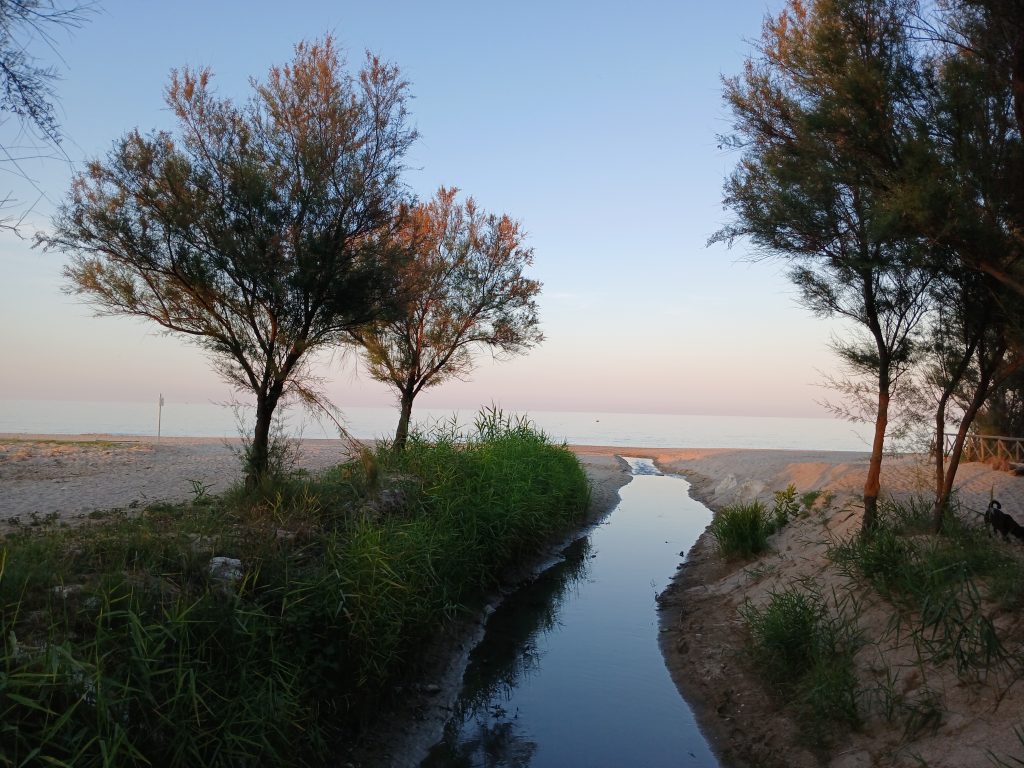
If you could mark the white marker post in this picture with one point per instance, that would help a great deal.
(159, 414)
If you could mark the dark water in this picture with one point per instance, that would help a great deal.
(569, 672)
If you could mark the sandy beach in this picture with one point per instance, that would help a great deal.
(70, 476)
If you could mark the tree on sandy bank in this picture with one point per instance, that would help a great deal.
(825, 122)
(464, 291)
(974, 70)
(971, 353)
(261, 232)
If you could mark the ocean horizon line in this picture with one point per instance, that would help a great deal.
(602, 428)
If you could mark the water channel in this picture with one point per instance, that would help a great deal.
(569, 672)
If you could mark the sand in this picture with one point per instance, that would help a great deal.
(704, 642)
(72, 475)
(702, 638)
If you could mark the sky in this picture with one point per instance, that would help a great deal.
(594, 124)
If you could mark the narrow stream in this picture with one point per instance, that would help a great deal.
(569, 672)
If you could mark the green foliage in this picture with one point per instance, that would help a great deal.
(940, 583)
(806, 647)
(784, 507)
(292, 250)
(741, 530)
(121, 647)
(809, 498)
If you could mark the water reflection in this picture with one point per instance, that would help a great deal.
(482, 731)
(569, 672)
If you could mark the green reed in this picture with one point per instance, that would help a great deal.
(121, 648)
(947, 587)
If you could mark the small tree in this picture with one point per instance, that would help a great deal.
(970, 356)
(260, 232)
(465, 292)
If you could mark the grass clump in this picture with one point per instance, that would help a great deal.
(805, 647)
(121, 646)
(741, 530)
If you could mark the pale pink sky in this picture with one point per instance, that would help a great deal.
(592, 123)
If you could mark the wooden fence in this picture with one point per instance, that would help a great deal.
(985, 447)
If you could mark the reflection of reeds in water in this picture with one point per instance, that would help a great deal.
(486, 746)
(481, 732)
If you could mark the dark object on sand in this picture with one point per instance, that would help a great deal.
(1002, 522)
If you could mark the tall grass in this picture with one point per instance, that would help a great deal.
(742, 530)
(121, 648)
(947, 587)
(805, 646)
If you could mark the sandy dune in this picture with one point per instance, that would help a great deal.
(704, 641)
(71, 476)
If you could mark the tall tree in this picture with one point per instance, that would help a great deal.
(975, 114)
(260, 232)
(465, 292)
(825, 120)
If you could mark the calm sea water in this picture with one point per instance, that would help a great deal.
(64, 417)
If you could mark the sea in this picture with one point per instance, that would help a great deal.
(205, 419)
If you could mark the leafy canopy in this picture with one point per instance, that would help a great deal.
(261, 231)
(465, 291)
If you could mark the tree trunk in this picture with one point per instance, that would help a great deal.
(402, 433)
(258, 458)
(981, 393)
(942, 500)
(940, 459)
(873, 483)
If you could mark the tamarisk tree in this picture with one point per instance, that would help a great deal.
(261, 232)
(825, 122)
(26, 86)
(464, 291)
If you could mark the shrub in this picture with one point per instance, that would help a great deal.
(785, 506)
(806, 649)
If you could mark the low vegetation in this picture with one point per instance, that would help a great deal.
(264, 626)
(945, 588)
(805, 645)
(742, 530)
(945, 593)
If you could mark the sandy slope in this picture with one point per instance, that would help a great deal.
(72, 475)
(704, 639)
